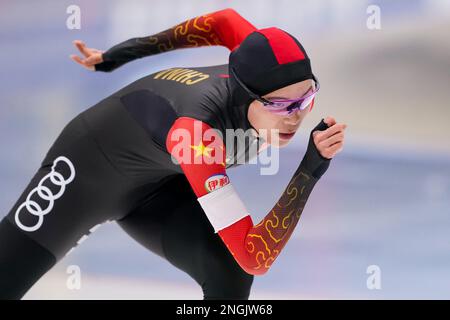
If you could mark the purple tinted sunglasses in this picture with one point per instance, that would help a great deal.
(282, 106)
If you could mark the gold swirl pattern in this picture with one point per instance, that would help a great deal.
(193, 38)
(250, 244)
(262, 240)
(195, 32)
(206, 23)
(266, 239)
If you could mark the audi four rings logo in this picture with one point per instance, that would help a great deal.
(32, 207)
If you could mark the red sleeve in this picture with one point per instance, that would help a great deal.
(201, 154)
(220, 28)
(230, 27)
(224, 27)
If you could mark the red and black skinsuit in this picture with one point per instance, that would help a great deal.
(120, 160)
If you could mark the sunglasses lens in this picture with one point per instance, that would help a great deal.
(306, 102)
(293, 106)
(277, 105)
(288, 107)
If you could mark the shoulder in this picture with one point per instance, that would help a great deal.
(198, 92)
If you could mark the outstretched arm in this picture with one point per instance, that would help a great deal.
(254, 247)
(221, 28)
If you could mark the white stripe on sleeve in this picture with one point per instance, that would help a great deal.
(223, 207)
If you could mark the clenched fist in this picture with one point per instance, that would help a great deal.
(329, 142)
(325, 141)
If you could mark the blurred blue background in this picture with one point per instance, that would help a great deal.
(384, 201)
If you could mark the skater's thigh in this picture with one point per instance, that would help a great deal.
(73, 190)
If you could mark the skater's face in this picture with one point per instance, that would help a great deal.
(265, 121)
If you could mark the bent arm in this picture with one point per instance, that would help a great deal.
(225, 28)
(254, 247)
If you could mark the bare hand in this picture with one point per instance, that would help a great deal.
(91, 56)
(330, 141)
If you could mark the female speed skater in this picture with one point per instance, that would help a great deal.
(153, 157)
